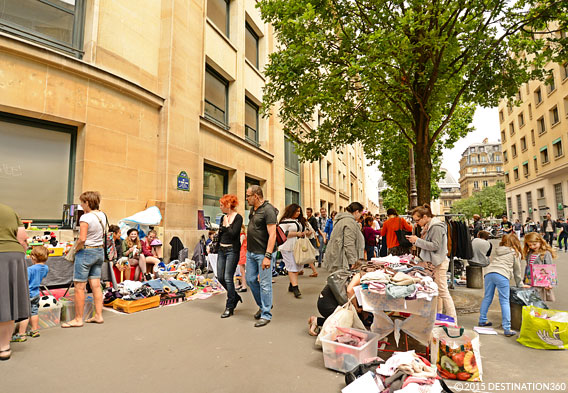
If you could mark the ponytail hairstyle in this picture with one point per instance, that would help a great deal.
(354, 207)
(422, 211)
(512, 241)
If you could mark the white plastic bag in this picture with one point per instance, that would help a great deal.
(343, 316)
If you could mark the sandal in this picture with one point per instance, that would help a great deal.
(5, 357)
(18, 338)
(312, 326)
(93, 320)
(314, 274)
(33, 333)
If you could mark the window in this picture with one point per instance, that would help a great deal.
(499, 169)
(291, 196)
(503, 136)
(559, 200)
(519, 96)
(564, 70)
(529, 203)
(249, 181)
(474, 170)
(497, 157)
(482, 159)
(215, 185)
(485, 183)
(473, 160)
(532, 137)
(519, 208)
(55, 23)
(530, 112)
(554, 118)
(514, 150)
(541, 126)
(540, 193)
(218, 12)
(251, 45)
(475, 185)
(501, 116)
(511, 128)
(544, 154)
(216, 97)
(510, 205)
(291, 159)
(251, 121)
(535, 161)
(516, 172)
(291, 173)
(526, 169)
(557, 148)
(523, 143)
(484, 170)
(538, 96)
(329, 175)
(509, 107)
(507, 178)
(505, 156)
(550, 85)
(521, 118)
(20, 175)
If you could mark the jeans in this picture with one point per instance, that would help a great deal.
(561, 237)
(321, 249)
(370, 252)
(493, 280)
(227, 261)
(261, 290)
(549, 237)
(88, 264)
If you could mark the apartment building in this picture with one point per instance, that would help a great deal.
(481, 166)
(449, 193)
(534, 135)
(150, 102)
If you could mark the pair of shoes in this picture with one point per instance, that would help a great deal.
(6, 357)
(33, 333)
(241, 290)
(227, 313)
(148, 276)
(485, 324)
(18, 338)
(509, 333)
(290, 288)
(314, 274)
(296, 291)
(262, 322)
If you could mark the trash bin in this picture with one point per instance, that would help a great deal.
(474, 277)
(520, 297)
(516, 316)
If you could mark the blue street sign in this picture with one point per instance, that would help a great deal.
(183, 181)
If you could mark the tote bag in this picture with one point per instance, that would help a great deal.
(544, 329)
(304, 252)
(455, 351)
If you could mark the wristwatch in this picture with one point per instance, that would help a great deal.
(268, 255)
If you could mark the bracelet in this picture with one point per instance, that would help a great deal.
(268, 255)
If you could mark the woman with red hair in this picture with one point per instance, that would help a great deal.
(229, 248)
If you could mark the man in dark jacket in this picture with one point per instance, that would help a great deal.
(547, 229)
(477, 225)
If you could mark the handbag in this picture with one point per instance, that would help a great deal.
(280, 236)
(304, 252)
(401, 235)
(70, 256)
(455, 351)
(337, 282)
(105, 249)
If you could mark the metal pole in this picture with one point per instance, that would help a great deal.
(413, 190)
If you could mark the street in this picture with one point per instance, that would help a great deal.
(188, 348)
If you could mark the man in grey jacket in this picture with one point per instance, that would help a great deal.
(433, 244)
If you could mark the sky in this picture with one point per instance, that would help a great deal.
(486, 124)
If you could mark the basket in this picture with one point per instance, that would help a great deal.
(131, 306)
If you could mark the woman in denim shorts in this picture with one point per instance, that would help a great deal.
(89, 258)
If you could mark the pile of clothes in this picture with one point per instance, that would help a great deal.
(406, 281)
(350, 337)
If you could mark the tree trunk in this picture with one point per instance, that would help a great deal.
(423, 163)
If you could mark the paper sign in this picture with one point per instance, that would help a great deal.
(364, 384)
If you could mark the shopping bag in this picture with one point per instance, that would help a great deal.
(70, 256)
(343, 316)
(544, 329)
(304, 252)
(455, 351)
(337, 282)
(543, 275)
(401, 235)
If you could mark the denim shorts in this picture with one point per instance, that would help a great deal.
(34, 302)
(88, 264)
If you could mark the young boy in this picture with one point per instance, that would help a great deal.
(36, 274)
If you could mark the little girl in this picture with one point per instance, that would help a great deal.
(538, 251)
(505, 265)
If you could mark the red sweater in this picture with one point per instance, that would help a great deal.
(390, 226)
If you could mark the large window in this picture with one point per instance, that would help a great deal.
(554, 117)
(251, 45)
(559, 200)
(36, 167)
(557, 147)
(56, 23)
(529, 203)
(251, 121)
(218, 12)
(292, 173)
(215, 185)
(544, 154)
(216, 97)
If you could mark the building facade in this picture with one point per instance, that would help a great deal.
(449, 192)
(124, 97)
(534, 135)
(481, 166)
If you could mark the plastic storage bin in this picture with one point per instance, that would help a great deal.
(342, 357)
(49, 317)
(68, 308)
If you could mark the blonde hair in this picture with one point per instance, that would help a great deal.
(130, 243)
(534, 237)
(40, 254)
(512, 241)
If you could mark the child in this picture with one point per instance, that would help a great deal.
(36, 274)
(505, 264)
(243, 260)
(538, 251)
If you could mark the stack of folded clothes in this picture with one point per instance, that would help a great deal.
(396, 285)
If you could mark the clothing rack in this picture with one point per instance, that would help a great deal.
(452, 256)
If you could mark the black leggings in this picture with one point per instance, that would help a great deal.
(326, 304)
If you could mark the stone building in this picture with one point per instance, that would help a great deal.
(449, 192)
(481, 166)
(124, 96)
(534, 136)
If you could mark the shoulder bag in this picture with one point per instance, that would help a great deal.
(401, 235)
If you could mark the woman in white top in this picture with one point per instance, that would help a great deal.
(89, 258)
(294, 225)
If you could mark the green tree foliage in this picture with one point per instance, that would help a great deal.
(489, 202)
(395, 199)
(390, 74)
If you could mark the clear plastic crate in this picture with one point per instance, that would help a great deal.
(49, 317)
(68, 308)
(342, 357)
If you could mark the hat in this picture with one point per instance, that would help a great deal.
(130, 231)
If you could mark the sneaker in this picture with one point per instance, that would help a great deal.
(485, 324)
(509, 333)
(18, 338)
(33, 333)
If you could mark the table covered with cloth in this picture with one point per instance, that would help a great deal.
(419, 325)
(61, 272)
